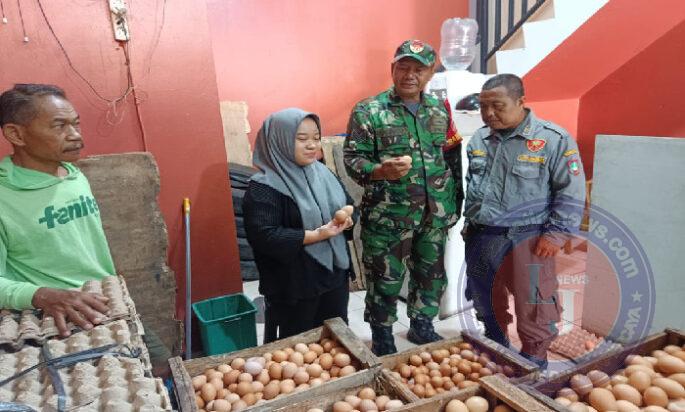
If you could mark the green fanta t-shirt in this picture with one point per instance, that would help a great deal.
(50, 233)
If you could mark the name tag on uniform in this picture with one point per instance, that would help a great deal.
(477, 153)
(531, 159)
(570, 152)
(391, 131)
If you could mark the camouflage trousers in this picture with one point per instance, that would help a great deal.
(389, 253)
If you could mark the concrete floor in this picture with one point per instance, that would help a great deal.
(448, 328)
(451, 327)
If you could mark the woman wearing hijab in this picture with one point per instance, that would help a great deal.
(289, 205)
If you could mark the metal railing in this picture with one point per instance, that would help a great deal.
(489, 47)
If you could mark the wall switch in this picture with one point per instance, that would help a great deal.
(118, 11)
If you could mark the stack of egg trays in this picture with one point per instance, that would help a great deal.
(572, 345)
(107, 383)
(17, 327)
(122, 333)
(545, 390)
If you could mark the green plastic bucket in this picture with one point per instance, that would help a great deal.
(227, 323)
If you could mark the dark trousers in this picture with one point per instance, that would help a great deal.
(293, 317)
(500, 261)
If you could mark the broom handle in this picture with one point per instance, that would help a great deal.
(186, 214)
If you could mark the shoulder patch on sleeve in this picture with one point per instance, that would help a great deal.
(570, 152)
(477, 153)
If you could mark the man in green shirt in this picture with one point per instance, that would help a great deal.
(51, 236)
(401, 147)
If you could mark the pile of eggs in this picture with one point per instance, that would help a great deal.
(428, 374)
(653, 383)
(365, 400)
(474, 404)
(246, 382)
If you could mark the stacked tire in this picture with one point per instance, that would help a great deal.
(240, 176)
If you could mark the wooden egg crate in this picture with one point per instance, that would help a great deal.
(381, 383)
(546, 390)
(184, 370)
(499, 392)
(517, 367)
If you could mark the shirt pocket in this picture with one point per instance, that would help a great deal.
(476, 175)
(525, 182)
(392, 141)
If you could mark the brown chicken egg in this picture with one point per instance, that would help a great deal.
(326, 361)
(341, 360)
(656, 396)
(602, 399)
(477, 404)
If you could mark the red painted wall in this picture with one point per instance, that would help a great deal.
(562, 112)
(642, 98)
(617, 74)
(323, 56)
(173, 70)
(618, 32)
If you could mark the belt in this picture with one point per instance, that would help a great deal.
(505, 230)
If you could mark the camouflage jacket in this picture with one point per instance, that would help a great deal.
(381, 127)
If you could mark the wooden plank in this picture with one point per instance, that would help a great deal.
(438, 403)
(333, 328)
(327, 144)
(183, 385)
(358, 283)
(373, 378)
(332, 147)
(199, 365)
(344, 335)
(511, 395)
(545, 390)
(495, 389)
(236, 127)
(400, 387)
(499, 354)
(523, 369)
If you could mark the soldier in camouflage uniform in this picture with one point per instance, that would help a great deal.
(402, 148)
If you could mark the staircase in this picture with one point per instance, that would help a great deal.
(544, 30)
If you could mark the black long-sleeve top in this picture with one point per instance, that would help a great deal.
(275, 232)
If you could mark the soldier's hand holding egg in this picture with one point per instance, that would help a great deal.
(395, 167)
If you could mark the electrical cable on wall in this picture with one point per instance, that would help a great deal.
(130, 88)
(2, 11)
(21, 17)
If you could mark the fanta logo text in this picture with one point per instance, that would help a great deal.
(82, 207)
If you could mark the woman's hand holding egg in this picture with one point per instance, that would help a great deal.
(341, 220)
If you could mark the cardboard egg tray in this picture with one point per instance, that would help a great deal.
(545, 390)
(121, 332)
(523, 369)
(574, 345)
(334, 328)
(29, 325)
(107, 383)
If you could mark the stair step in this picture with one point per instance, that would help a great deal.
(541, 37)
